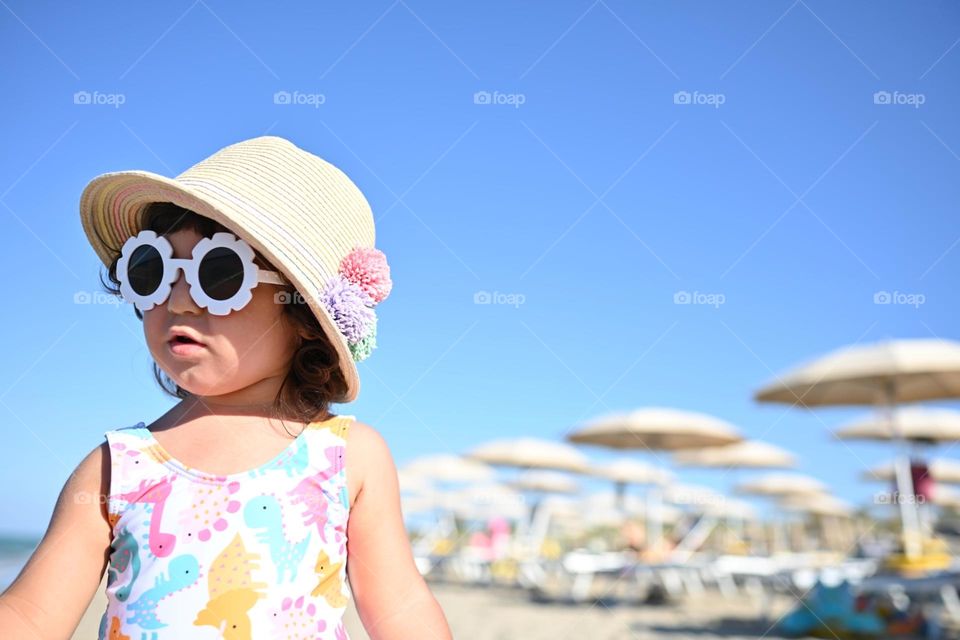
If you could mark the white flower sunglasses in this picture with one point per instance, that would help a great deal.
(221, 272)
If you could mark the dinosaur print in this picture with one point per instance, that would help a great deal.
(254, 554)
(329, 586)
(312, 492)
(126, 553)
(182, 572)
(211, 504)
(155, 495)
(297, 620)
(232, 591)
(264, 514)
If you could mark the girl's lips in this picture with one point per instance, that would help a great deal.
(185, 349)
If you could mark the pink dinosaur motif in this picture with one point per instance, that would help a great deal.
(311, 492)
(295, 621)
(155, 494)
(211, 503)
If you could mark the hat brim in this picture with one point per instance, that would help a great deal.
(110, 212)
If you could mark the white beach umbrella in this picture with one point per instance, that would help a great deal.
(916, 424)
(656, 428)
(484, 501)
(530, 453)
(449, 468)
(545, 481)
(630, 471)
(885, 374)
(751, 454)
(781, 484)
(943, 470)
(891, 371)
(816, 503)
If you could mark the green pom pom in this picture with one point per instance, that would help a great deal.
(362, 349)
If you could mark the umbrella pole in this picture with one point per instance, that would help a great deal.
(654, 526)
(908, 509)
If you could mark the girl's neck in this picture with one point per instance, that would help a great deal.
(203, 410)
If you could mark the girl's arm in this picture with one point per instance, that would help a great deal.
(392, 598)
(55, 587)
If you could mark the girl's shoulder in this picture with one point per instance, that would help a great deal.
(129, 430)
(366, 449)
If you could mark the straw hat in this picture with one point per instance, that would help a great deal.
(299, 211)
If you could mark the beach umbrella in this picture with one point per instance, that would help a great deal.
(781, 484)
(890, 371)
(686, 494)
(545, 482)
(816, 503)
(942, 470)
(753, 454)
(921, 425)
(605, 500)
(530, 453)
(731, 508)
(630, 471)
(626, 471)
(884, 373)
(449, 468)
(603, 507)
(749, 454)
(485, 500)
(656, 428)
(828, 512)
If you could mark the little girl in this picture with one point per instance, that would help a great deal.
(243, 510)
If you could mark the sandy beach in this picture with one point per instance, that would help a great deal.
(499, 613)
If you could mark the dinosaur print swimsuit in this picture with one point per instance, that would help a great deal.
(256, 554)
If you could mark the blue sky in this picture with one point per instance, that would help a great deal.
(578, 181)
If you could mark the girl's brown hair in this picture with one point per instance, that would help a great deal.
(314, 379)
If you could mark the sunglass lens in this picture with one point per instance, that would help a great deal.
(145, 270)
(221, 273)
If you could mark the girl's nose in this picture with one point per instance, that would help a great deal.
(179, 300)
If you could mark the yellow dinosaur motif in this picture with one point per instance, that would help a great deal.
(330, 585)
(232, 591)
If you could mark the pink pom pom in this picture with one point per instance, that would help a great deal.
(367, 268)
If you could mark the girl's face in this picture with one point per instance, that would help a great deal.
(244, 355)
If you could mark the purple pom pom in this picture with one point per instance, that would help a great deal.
(350, 308)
